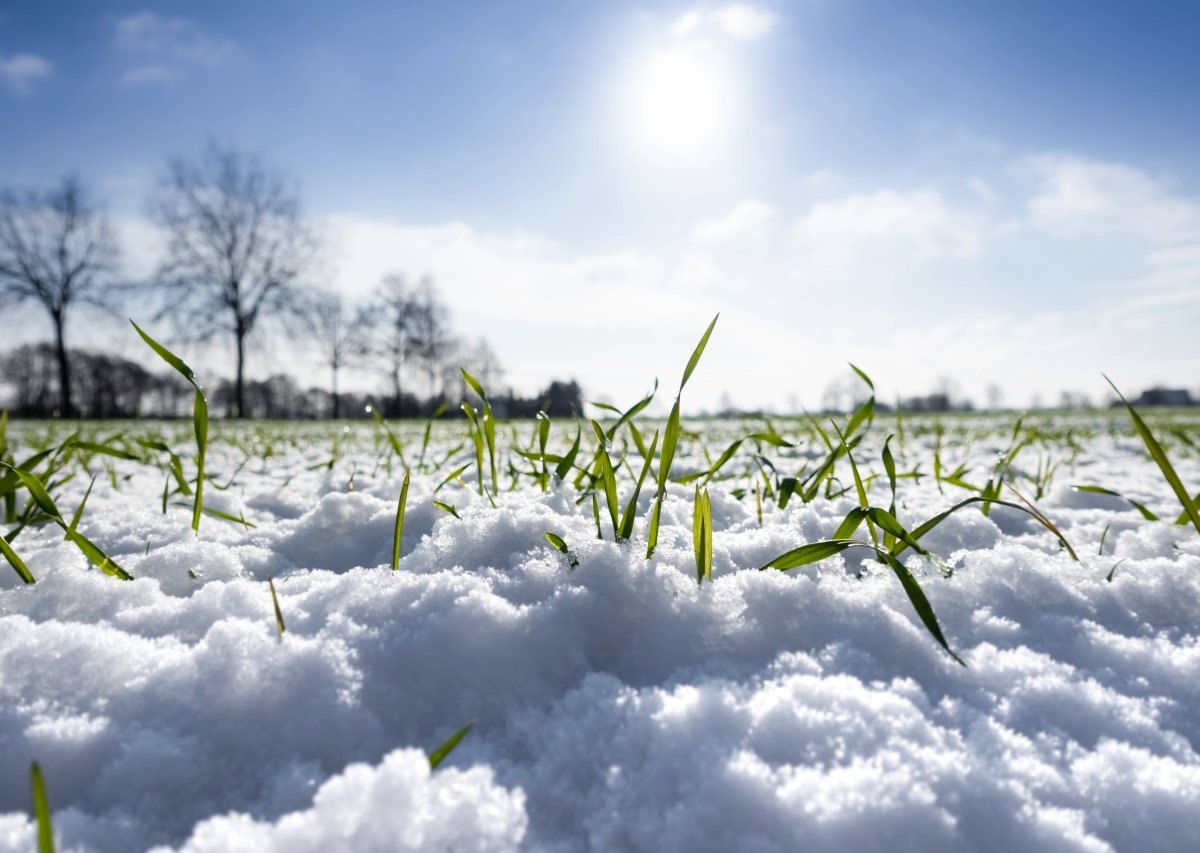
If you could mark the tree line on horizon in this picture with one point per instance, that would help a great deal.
(237, 261)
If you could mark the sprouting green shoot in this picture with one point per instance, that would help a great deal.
(702, 535)
(1160, 458)
(488, 423)
(439, 755)
(560, 544)
(199, 418)
(445, 507)
(608, 479)
(279, 626)
(671, 440)
(41, 810)
(398, 533)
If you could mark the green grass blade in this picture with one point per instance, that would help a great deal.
(279, 626)
(398, 532)
(1160, 458)
(560, 544)
(16, 562)
(474, 383)
(1140, 507)
(41, 810)
(439, 755)
(608, 479)
(670, 441)
(97, 557)
(37, 491)
(445, 507)
(627, 520)
(813, 552)
(697, 352)
(568, 461)
(79, 509)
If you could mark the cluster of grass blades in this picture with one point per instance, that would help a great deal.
(40, 475)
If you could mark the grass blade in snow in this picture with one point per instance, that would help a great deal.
(16, 562)
(1160, 458)
(816, 551)
(702, 535)
(199, 417)
(399, 530)
(560, 544)
(671, 440)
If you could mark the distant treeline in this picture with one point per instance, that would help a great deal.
(104, 385)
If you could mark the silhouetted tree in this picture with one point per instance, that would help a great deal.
(236, 249)
(339, 336)
(56, 249)
(407, 325)
(430, 331)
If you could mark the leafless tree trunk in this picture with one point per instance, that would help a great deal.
(56, 249)
(236, 249)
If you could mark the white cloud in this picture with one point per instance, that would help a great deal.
(917, 223)
(1078, 196)
(19, 72)
(166, 47)
(748, 219)
(548, 313)
(741, 21)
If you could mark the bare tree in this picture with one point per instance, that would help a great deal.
(56, 249)
(340, 336)
(236, 248)
(430, 331)
(394, 328)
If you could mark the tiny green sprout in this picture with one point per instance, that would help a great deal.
(560, 544)
(445, 507)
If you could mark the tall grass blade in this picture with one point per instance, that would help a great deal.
(41, 809)
(1160, 458)
(398, 532)
(627, 519)
(199, 417)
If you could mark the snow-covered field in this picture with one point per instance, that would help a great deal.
(619, 705)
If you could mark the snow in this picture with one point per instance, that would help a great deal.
(616, 706)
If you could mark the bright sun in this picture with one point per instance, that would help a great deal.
(682, 104)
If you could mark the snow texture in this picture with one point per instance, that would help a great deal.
(616, 706)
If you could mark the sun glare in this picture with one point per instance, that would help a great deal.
(681, 104)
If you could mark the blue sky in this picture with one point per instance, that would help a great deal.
(1001, 193)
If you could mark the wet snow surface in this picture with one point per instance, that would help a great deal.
(619, 706)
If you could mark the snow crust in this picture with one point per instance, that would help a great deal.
(618, 706)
